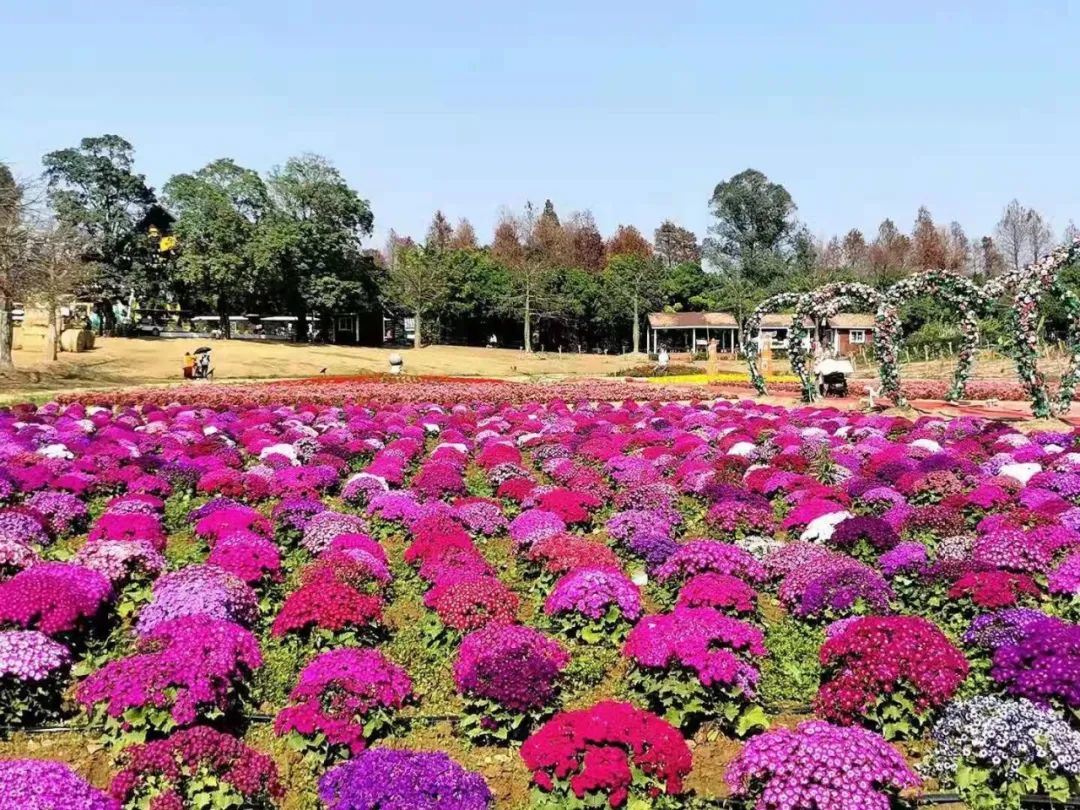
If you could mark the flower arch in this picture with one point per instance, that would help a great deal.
(776, 303)
(967, 298)
(825, 302)
(1028, 285)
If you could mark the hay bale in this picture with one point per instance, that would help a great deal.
(76, 340)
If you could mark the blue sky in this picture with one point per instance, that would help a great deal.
(634, 110)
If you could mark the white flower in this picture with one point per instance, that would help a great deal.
(1021, 472)
(286, 450)
(821, 528)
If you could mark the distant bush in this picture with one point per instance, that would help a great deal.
(653, 370)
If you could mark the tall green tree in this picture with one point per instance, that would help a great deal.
(754, 227)
(95, 189)
(309, 239)
(636, 281)
(417, 283)
(218, 212)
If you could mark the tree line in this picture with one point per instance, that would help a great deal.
(225, 239)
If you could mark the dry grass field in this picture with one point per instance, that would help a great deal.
(123, 362)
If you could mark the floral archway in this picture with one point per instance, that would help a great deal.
(824, 303)
(777, 303)
(1027, 286)
(960, 293)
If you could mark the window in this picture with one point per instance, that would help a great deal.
(344, 324)
(857, 336)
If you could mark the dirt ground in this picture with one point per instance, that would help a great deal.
(123, 362)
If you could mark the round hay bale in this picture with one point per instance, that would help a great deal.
(76, 340)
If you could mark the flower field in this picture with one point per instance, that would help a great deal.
(279, 597)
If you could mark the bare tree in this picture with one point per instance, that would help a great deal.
(1071, 233)
(57, 272)
(1039, 236)
(1012, 234)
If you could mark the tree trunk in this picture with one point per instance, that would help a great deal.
(6, 335)
(223, 318)
(637, 327)
(417, 341)
(51, 338)
(528, 323)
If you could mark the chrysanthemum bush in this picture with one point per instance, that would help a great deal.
(509, 675)
(385, 778)
(607, 755)
(59, 599)
(696, 664)
(996, 751)
(33, 673)
(819, 765)
(1042, 663)
(593, 604)
(40, 784)
(184, 670)
(197, 767)
(891, 673)
(343, 699)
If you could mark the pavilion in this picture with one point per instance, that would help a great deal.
(692, 331)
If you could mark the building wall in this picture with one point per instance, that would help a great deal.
(846, 347)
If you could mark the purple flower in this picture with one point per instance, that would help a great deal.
(403, 780)
(40, 784)
(590, 591)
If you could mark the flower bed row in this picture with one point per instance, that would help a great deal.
(589, 587)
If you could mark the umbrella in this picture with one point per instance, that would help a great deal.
(202, 350)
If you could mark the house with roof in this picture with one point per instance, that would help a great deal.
(843, 334)
(848, 333)
(691, 331)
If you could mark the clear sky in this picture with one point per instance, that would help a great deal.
(635, 110)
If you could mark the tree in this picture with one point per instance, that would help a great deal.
(95, 189)
(417, 282)
(958, 250)
(1071, 233)
(754, 226)
(889, 252)
(676, 245)
(854, 249)
(1012, 234)
(550, 238)
(527, 258)
(14, 254)
(735, 294)
(1039, 235)
(439, 233)
(928, 248)
(308, 239)
(58, 271)
(991, 263)
(218, 210)
(587, 250)
(636, 281)
(628, 241)
(464, 237)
